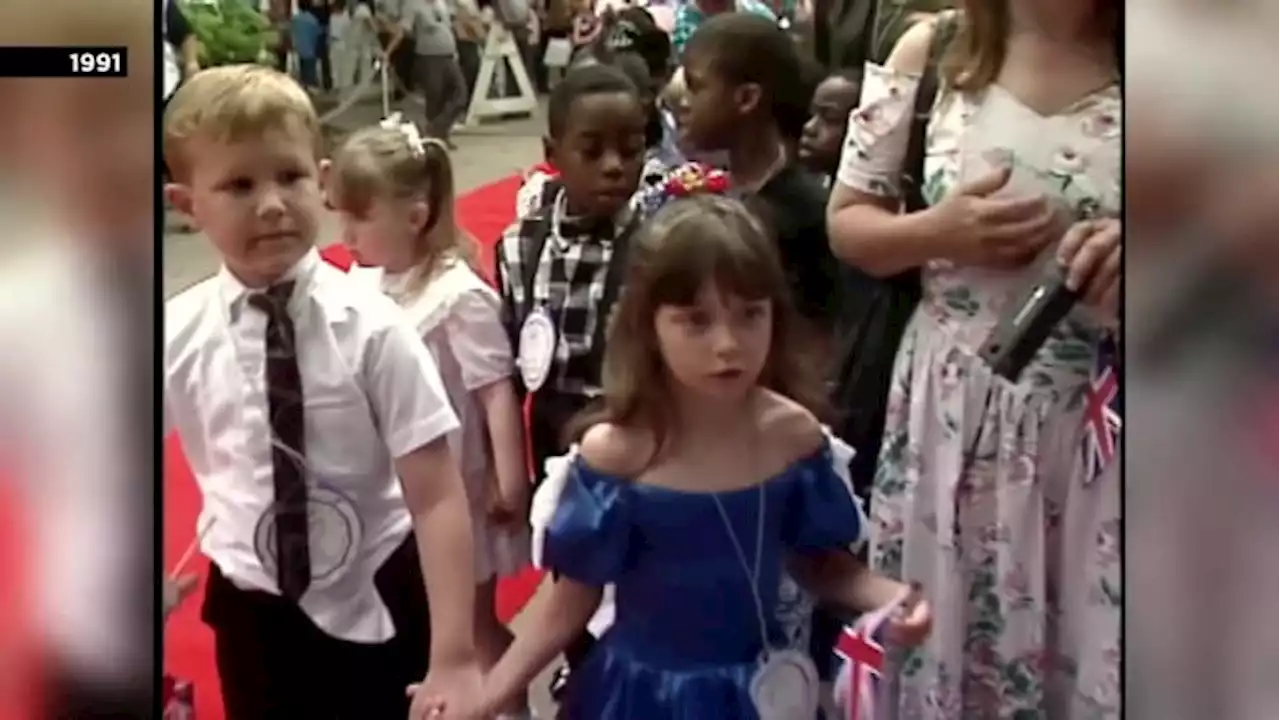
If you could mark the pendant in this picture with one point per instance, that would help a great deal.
(537, 349)
(785, 686)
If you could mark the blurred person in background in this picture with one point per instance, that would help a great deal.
(323, 10)
(471, 30)
(982, 492)
(427, 27)
(181, 48)
(398, 56)
(691, 14)
(77, 422)
(307, 34)
(181, 52)
(353, 43)
(280, 15)
(822, 138)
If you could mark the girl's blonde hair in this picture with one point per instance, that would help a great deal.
(688, 243)
(380, 163)
(975, 57)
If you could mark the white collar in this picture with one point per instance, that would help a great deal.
(234, 293)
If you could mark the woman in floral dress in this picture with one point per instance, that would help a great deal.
(984, 492)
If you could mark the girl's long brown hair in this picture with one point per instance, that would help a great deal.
(379, 163)
(976, 55)
(688, 243)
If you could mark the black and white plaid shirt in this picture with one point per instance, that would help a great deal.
(568, 283)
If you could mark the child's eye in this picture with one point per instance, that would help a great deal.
(290, 177)
(239, 185)
(696, 319)
(755, 312)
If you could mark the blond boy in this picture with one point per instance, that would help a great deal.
(300, 398)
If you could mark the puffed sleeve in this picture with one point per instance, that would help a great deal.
(823, 511)
(478, 338)
(875, 145)
(580, 522)
(404, 386)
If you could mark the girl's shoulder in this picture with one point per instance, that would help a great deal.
(454, 290)
(617, 450)
(793, 432)
(456, 274)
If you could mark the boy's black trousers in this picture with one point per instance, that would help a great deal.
(275, 663)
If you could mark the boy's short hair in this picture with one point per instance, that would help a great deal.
(749, 48)
(581, 82)
(234, 102)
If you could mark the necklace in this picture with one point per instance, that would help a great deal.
(779, 162)
(784, 685)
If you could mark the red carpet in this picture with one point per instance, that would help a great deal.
(188, 650)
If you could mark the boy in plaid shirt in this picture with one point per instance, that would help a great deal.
(560, 268)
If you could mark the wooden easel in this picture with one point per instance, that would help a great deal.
(501, 55)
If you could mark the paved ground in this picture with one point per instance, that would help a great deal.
(485, 154)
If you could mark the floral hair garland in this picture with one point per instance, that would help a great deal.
(684, 181)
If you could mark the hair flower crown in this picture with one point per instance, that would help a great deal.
(685, 181)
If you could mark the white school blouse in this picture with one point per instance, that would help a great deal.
(372, 394)
(459, 318)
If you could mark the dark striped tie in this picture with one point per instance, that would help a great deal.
(288, 442)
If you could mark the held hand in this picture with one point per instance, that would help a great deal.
(178, 589)
(504, 514)
(1001, 233)
(508, 506)
(453, 692)
(1091, 251)
(911, 623)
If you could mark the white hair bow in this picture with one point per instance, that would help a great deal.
(417, 143)
(395, 121)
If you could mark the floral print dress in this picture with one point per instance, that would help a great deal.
(1018, 545)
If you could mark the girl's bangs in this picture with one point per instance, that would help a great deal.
(686, 263)
(357, 181)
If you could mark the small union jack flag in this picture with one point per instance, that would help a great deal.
(861, 648)
(863, 654)
(1102, 419)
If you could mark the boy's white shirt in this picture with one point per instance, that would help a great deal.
(373, 393)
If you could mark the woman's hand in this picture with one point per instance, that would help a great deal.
(975, 229)
(1091, 252)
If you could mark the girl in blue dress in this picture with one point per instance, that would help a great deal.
(702, 475)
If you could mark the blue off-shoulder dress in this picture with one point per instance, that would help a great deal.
(685, 637)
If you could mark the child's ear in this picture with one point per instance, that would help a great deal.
(420, 214)
(747, 98)
(326, 177)
(326, 172)
(548, 149)
(179, 196)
